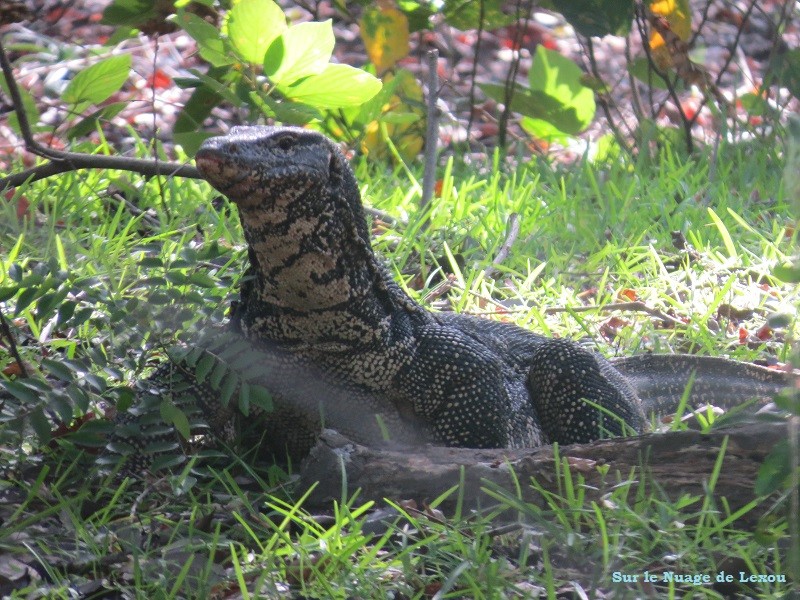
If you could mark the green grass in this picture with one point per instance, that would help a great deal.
(97, 290)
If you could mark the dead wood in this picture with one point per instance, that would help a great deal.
(680, 462)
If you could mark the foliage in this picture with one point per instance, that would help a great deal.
(557, 103)
(256, 62)
(145, 269)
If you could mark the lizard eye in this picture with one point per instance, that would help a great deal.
(286, 142)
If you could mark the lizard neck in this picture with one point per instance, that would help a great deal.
(314, 281)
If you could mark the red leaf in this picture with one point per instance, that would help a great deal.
(159, 80)
(764, 333)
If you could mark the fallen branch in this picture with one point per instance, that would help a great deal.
(680, 462)
(635, 306)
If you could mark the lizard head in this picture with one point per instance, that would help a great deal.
(258, 167)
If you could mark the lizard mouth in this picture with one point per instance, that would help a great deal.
(241, 182)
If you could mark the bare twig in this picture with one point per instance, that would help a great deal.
(714, 86)
(12, 344)
(635, 96)
(474, 73)
(432, 131)
(512, 233)
(77, 161)
(641, 19)
(511, 76)
(61, 162)
(602, 98)
(636, 306)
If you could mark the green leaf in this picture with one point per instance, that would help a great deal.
(129, 12)
(787, 273)
(204, 366)
(58, 368)
(28, 103)
(218, 87)
(465, 14)
(81, 399)
(8, 292)
(641, 69)
(337, 86)
(536, 105)
(229, 385)
(293, 113)
(785, 68)
(97, 383)
(260, 397)
(176, 417)
(58, 402)
(252, 25)
(89, 124)
(15, 272)
(211, 45)
(27, 296)
(191, 141)
(96, 83)
(300, 51)
(220, 370)
(780, 320)
(203, 280)
(542, 130)
(244, 399)
(21, 392)
(65, 311)
(774, 471)
(561, 79)
(40, 425)
(595, 18)
(166, 461)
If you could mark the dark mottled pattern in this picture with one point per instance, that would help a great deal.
(346, 348)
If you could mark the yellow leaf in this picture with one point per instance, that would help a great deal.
(385, 34)
(675, 17)
(407, 133)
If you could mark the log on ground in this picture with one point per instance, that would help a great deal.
(680, 462)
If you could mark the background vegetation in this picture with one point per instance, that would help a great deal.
(665, 221)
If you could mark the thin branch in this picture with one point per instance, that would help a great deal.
(12, 344)
(638, 110)
(61, 162)
(636, 306)
(511, 76)
(77, 161)
(714, 87)
(512, 233)
(687, 125)
(602, 98)
(432, 131)
(474, 74)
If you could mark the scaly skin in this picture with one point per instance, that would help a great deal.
(342, 346)
(319, 297)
